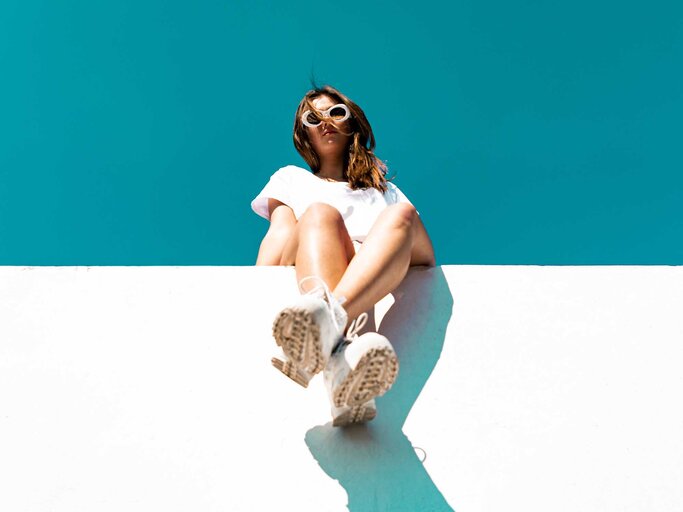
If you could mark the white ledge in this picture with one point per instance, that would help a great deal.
(528, 388)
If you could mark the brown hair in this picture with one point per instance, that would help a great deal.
(362, 168)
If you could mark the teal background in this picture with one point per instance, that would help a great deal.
(532, 132)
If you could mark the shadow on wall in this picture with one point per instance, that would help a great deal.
(375, 462)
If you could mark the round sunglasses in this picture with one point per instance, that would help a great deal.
(336, 113)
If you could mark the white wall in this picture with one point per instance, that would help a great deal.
(150, 388)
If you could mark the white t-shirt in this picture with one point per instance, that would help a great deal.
(299, 188)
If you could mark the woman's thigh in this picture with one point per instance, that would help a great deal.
(402, 215)
(322, 225)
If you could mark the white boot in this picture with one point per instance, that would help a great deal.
(362, 368)
(307, 331)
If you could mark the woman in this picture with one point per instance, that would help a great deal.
(352, 236)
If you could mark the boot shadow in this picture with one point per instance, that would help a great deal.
(375, 462)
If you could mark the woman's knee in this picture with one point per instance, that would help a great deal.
(403, 214)
(321, 214)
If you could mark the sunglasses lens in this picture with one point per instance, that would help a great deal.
(311, 119)
(338, 113)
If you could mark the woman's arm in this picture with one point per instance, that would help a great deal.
(282, 222)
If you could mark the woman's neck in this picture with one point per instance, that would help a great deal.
(331, 170)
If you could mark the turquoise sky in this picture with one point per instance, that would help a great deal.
(532, 132)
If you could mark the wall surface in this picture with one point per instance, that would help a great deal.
(526, 388)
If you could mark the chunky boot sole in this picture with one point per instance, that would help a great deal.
(374, 374)
(296, 332)
(296, 374)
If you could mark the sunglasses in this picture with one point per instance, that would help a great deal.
(336, 113)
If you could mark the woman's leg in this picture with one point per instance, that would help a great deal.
(319, 245)
(396, 241)
(282, 224)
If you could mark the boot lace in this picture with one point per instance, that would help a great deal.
(351, 333)
(356, 326)
(321, 289)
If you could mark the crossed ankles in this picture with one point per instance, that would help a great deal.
(356, 368)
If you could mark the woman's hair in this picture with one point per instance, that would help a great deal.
(362, 168)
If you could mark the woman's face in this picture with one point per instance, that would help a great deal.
(329, 138)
